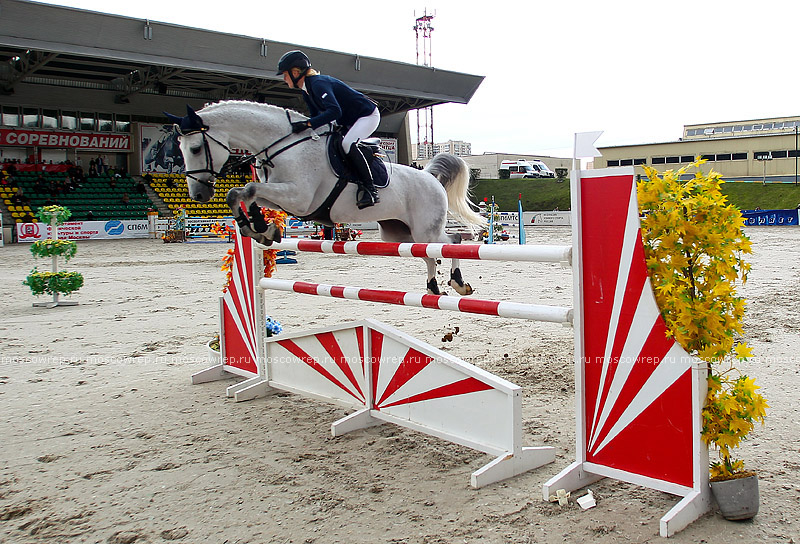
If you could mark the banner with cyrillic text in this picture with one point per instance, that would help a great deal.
(84, 230)
(72, 140)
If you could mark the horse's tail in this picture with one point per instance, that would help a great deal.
(453, 173)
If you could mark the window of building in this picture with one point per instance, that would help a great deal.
(794, 153)
(756, 127)
(691, 132)
(723, 156)
(612, 163)
(30, 117)
(10, 117)
(687, 158)
(767, 126)
(780, 154)
(87, 121)
(105, 122)
(738, 128)
(626, 162)
(639, 161)
(673, 160)
(122, 123)
(659, 160)
(727, 129)
(777, 125)
(49, 118)
(739, 156)
(69, 120)
(708, 157)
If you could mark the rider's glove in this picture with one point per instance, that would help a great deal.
(300, 126)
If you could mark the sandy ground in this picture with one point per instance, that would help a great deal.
(105, 440)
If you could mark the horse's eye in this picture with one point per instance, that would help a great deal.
(194, 150)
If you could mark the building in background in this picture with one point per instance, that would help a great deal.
(425, 151)
(754, 150)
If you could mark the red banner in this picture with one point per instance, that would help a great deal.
(43, 138)
(23, 167)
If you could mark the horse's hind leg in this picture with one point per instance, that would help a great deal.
(433, 286)
(456, 281)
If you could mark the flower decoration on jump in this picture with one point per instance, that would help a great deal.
(694, 246)
(273, 326)
(278, 218)
(270, 256)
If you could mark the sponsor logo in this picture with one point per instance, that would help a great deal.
(28, 230)
(114, 228)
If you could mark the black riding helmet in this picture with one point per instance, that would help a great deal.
(294, 59)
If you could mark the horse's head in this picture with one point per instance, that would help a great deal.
(204, 154)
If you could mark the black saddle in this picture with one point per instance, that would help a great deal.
(371, 151)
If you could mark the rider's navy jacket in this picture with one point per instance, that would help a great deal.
(329, 99)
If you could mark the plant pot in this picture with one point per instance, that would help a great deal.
(737, 498)
(214, 356)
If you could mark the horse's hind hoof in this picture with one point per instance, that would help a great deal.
(458, 283)
(463, 290)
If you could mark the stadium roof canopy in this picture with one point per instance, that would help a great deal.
(45, 46)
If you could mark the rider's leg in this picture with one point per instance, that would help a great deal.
(362, 128)
(367, 195)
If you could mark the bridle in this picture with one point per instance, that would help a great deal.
(246, 160)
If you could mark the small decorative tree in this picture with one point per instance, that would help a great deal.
(694, 245)
(55, 282)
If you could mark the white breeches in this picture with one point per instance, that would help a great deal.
(363, 128)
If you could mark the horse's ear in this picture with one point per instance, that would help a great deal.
(174, 119)
(195, 121)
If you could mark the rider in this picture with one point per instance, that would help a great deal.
(329, 100)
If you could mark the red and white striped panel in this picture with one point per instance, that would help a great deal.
(637, 381)
(239, 351)
(485, 252)
(553, 314)
(409, 381)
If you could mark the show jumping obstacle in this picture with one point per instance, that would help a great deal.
(639, 395)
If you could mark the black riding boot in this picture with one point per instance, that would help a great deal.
(367, 195)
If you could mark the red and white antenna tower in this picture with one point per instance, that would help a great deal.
(423, 30)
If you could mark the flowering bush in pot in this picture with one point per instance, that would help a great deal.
(694, 246)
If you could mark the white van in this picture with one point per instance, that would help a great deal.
(526, 169)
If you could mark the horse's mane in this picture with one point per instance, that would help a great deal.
(211, 108)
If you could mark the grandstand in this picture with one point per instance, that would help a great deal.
(171, 189)
(103, 194)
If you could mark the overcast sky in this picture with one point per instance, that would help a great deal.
(638, 70)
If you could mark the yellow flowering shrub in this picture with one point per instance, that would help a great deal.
(694, 246)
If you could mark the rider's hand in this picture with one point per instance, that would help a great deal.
(300, 126)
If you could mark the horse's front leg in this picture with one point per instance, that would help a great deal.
(254, 227)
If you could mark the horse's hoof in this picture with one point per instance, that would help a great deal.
(273, 233)
(433, 287)
(463, 289)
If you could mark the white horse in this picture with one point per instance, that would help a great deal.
(412, 208)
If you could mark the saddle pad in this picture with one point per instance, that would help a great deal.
(340, 166)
